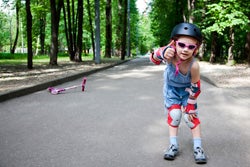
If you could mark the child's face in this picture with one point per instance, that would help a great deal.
(185, 47)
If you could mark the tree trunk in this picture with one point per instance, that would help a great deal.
(191, 8)
(55, 18)
(70, 32)
(78, 54)
(29, 34)
(247, 45)
(247, 48)
(108, 43)
(230, 60)
(97, 32)
(119, 29)
(42, 34)
(66, 28)
(73, 29)
(17, 27)
(91, 29)
(54, 35)
(180, 16)
(128, 22)
(124, 31)
(202, 50)
(213, 47)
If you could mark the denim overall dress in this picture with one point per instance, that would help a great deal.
(175, 85)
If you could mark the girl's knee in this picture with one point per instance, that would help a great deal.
(191, 123)
(174, 115)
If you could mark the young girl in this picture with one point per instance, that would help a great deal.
(181, 85)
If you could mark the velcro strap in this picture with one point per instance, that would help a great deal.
(191, 101)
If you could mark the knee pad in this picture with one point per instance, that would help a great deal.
(174, 115)
(191, 124)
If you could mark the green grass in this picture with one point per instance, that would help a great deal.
(21, 59)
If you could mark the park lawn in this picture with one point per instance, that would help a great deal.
(20, 59)
(44, 60)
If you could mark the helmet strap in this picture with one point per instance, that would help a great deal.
(177, 67)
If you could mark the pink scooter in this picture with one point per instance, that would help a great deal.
(56, 91)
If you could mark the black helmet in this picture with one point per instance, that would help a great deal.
(187, 29)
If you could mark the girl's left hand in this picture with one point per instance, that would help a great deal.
(192, 117)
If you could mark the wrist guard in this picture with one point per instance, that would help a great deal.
(153, 60)
(191, 107)
(158, 55)
(194, 90)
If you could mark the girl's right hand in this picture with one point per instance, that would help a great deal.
(170, 52)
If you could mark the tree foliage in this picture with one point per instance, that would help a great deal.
(223, 15)
(228, 22)
(224, 23)
(71, 31)
(162, 21)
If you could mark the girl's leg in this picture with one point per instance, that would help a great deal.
(174, 118)
(196, 132)
(199, 154)
(172, 150)
(173, 131)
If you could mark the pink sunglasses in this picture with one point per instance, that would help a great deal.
(185, 45)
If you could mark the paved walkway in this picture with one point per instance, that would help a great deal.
(119, 122)
(15, 82)
(19, 81)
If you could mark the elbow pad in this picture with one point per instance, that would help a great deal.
(194, 90)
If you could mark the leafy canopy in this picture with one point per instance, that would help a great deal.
(225, 14)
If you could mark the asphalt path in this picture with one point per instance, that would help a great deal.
(119, 121)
